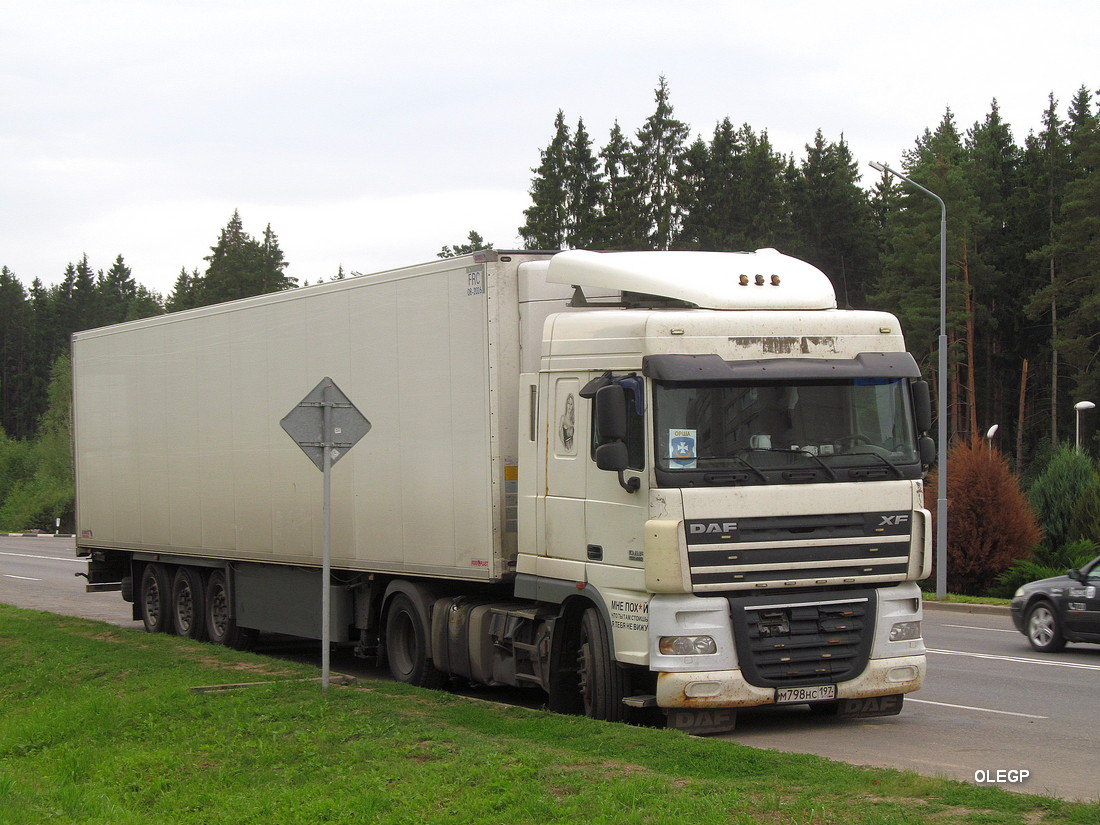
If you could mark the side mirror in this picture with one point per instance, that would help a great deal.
(1076, 575)
(611, 413)
(927, 449)
(614, 456)
(922, 405)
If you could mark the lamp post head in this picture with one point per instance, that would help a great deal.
(1083, 405)
(992, 431)
(878, 167)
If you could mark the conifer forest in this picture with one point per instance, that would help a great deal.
(1023, 242)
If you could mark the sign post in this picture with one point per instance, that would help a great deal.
(325, 424)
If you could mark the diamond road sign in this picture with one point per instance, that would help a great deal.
(306, 423)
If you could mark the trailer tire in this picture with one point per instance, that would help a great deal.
(188, 604)
(602, 681)
(155, 594)
(221, 624)
(408, 645)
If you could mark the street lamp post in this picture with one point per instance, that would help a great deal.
(992, 431)
(1081, 406)
(941, 384)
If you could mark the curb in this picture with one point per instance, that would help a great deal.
(40, 535)
(965, 607)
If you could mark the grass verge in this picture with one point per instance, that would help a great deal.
(98, 725)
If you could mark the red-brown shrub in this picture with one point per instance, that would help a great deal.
(989, 521)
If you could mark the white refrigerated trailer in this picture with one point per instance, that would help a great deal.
(641, 479)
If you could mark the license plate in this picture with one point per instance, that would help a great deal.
(794, 695)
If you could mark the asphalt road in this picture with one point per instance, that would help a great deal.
(991, 708)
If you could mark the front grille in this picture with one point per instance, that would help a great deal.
(798, 551)
(785, 643)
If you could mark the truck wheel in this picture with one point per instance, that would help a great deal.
(602, 681)
(221, 626)
(155, 591)
(1044, 631)
(188, 600)
(408, 645)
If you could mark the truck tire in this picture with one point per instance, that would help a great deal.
(221, 625)
(408, 645)
(602, 681)
(188, 602)
(155, 592)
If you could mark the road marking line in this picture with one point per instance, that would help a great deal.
(983, 710)
(21, 578)
(974, 627)
(1018, 659)
(43, 558)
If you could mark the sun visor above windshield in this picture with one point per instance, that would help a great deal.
(765, 279)
(682, 368)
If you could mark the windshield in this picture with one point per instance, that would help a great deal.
(761, 433)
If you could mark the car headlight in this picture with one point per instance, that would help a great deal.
(905, 631)
(1019, 593)
(687, 645)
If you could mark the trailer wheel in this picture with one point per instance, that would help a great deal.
(408, 645)
(221, 626)
(155, 592)
(602, 681)
(188, 602)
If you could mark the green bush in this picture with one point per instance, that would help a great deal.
(1066, 499)
(1076, 554)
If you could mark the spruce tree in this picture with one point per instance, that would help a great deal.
(655, 162)
(621, 223)
(1077, 244)
(16, 415)
(547, 216)
(832, 222)
(584, 189)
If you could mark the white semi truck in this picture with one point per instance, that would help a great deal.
(680, 480)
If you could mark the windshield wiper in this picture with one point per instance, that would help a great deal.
(880, 457)
(800, 451)
(824, 466)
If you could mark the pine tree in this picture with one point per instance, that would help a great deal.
(584, 189)
(473, 244)
(1077, 244)
(711, 193)
(655, 162)
(240, 266)
(832, 221)
(1046, 171)
(16, 415)
(184, 293)
(621, 223)
(547, 216)
(1002, 343)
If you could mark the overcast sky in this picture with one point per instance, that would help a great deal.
(369, 134)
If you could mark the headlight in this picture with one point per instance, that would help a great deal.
(905, 631)
(687, 645)
(1019, 593)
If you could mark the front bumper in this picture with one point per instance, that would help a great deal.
(728, 688)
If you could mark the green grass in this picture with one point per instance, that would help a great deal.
(955, 598)
(98, 724)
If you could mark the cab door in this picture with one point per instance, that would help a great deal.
(567, 434)
(614, 515)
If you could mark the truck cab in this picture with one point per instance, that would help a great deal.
(729, 470)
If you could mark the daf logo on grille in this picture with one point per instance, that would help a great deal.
(714, 527)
